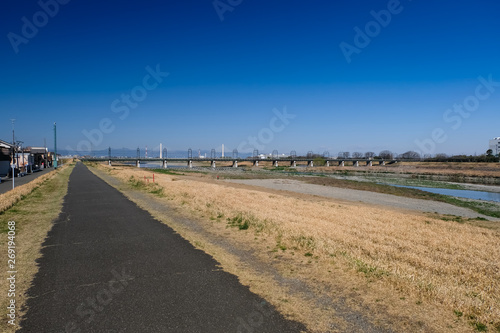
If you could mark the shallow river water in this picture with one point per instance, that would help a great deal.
(477, 195)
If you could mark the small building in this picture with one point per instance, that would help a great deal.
(5, 157)
(40, 157)
(24, 162)
(495, 145)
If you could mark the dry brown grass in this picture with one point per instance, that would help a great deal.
(9, 198)
(446, 264)
(37, 204)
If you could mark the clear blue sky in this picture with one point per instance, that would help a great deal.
(227, 76)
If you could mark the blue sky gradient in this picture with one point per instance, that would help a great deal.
(227, 76)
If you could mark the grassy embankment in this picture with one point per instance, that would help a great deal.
(33, 207)
(425, 262)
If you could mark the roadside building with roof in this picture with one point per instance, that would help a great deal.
(40, 157)
(5, 157)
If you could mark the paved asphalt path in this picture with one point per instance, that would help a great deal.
(109, 266)
(6, 184)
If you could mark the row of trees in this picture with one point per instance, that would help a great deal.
(384, 154)
(488, 157)
(413, 155)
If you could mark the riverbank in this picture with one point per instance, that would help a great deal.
(368, 183)
(317, 187)
(468, 172)
(402, 270)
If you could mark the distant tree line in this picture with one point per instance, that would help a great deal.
(488, 157)
(409, 155)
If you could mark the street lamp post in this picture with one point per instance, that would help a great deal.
(13, 154)
(55, 146)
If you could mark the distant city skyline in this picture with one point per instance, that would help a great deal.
(287, 75)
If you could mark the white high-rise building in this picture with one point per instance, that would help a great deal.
(495, 145)
(222, 150)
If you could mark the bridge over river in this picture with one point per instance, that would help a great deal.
(234, 161)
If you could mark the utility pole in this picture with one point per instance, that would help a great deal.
(13, 154)
(55, 146)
